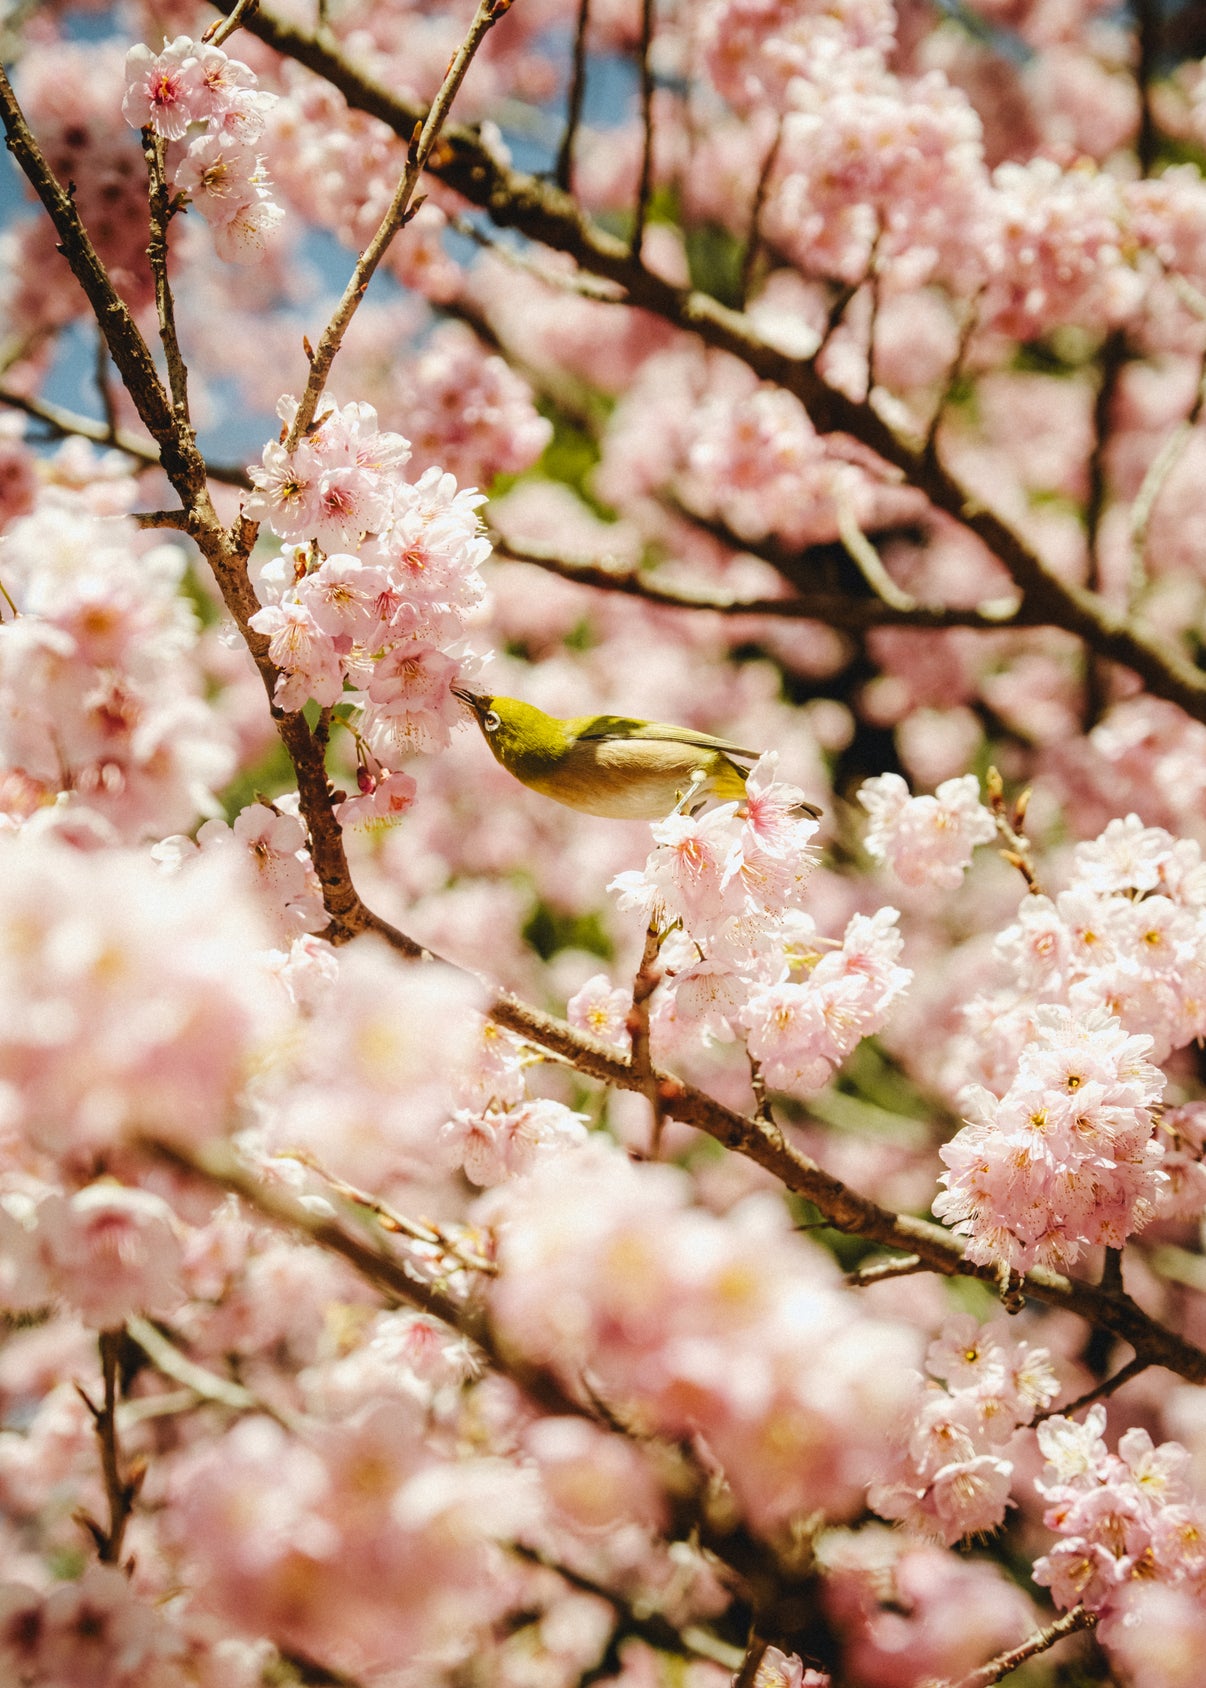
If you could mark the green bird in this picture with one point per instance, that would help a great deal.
(613, 765)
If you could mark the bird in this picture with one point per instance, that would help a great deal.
(617, 766)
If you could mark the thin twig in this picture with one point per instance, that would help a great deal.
(582, 286)
(563, 172)
(907, 1266)
(762, 1106)
(834, 608)
(422, 140)
(1072, 1623)
(1160, 468)
(967, 329)
(1102, 1392)
(648, 977)
(161, 519)
(651, 1627)
(203, 1385)
(753, 239)
(71, 424)
(105, 388)
(162, 211)
(127, 347)
(1009, 829)
(390, 1220)
(867, 559)
(121, 1491)
(223, 28)
(645, 182)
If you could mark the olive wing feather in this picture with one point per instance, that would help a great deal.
(624, 727)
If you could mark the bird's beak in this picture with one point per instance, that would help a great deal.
(473, 699)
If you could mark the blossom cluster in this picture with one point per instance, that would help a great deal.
(1121, 1517)
(1127, 935)
(927, 840)
(99, 703)
(355, 1543)
(271, 840)
(191, 85)
(1067, 1157)
(689, 1325)
(98, 1629)
(378, 578)
(724, 889)
(953, 1472)
(134, 1002)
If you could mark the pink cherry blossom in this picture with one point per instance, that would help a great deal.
(927, 840)
(111, 1252)
(601, 1009)
(140, 1009)
(162, 91)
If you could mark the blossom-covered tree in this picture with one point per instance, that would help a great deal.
(447, 1238)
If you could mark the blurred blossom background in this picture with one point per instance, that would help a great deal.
(375, 1309)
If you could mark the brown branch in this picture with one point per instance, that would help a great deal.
(121, 1491)
(223, 28)
(71, 424)
(648, 977)
(1147, 70)
(754, 1655)
(127, 348)
(647, 1626)
(563, 172)
(843, 1208)
(645, 181)
(1102, 1392)
(162, 211)
(996, 1669)
(753, 239)
(833, 608)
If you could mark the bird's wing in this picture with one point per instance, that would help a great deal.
(624, 727)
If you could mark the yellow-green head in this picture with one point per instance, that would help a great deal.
(611, 765)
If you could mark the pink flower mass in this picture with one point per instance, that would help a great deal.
(452, 1236)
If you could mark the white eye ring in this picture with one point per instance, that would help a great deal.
(491, 721)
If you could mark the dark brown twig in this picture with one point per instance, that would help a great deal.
(645, 181)
(69, 424)
(648, 977)
(753, 239)
(162, 211)
(1102, 1392)
(563, 172)
(1072, 1623)
(121, 1491)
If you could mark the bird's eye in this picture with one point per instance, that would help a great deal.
(491, 720)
